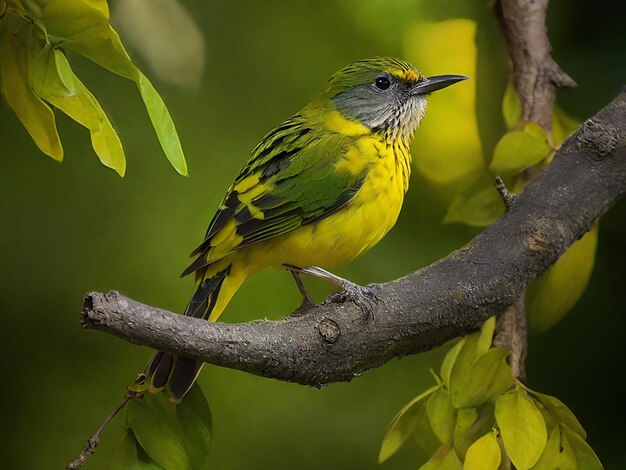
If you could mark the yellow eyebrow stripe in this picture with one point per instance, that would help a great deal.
(408, 75)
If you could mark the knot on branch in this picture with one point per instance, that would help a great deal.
(537, 241)
(329, 330)
(600, 137)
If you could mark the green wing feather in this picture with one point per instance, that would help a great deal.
(295, 166)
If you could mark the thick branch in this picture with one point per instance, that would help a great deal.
(334, 342)
(537, 77)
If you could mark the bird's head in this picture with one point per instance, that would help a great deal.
(388, 95)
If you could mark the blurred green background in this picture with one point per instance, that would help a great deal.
(71, 228)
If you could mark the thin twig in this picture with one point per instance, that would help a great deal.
(507, 197)
(92, 442)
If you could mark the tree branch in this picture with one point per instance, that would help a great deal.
(334, 342)
(537, 77)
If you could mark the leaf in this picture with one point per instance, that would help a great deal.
(444, 459)
(154, 422)
(423, 432)
(559, 411)
(465, 434)
(511, 106)
(466, 418)
(485, 337)
(487, 378)
(163, 125)
(586, 458)
(45, 73)
(478, 205)
(402, 426)
(448, 362)
(558, 453)
(196, 422)
(84, 27)
(518, 150)
(552, 296)
(35, 115)
(130, 456)
(522, 428)
(484, 454)
(441, 414)
(562, 125)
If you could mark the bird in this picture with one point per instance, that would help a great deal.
(317, 191)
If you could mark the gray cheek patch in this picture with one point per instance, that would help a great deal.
(394, 112)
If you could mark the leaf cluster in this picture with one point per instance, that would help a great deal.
(477, 417)
(36, 76)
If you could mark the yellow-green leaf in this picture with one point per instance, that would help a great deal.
(402, 426)
(511, 106)
(488, 377)
(155, 425)
(563, 125)
(518, 150)
(463, 437)
(35, 115)
(45, 74)
(448, 362)
(484, 454)
(478, 205)
(522, 428)
(444, 459)
(536, 130)
(441, 414)
(130, 456)
(560, 412)
(553, 295)
(558, 453)
(83, 25)
(163, 125)
(586, 458)
(423, 432)
(485, 337)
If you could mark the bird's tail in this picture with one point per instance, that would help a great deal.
(167, 371)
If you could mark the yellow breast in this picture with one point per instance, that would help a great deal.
(358, 225)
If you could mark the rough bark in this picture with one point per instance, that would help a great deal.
(536, 76)
(334, 342)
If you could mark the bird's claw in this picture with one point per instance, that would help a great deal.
(363, 296)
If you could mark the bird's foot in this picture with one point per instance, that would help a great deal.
(363, 296)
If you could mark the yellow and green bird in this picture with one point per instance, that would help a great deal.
(318, 190)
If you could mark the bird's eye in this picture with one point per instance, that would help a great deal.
(382, 83)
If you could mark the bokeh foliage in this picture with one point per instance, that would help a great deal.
(71, 228)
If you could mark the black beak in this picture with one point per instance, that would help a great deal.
(437, 83)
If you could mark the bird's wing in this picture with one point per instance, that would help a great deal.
(294, 177)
